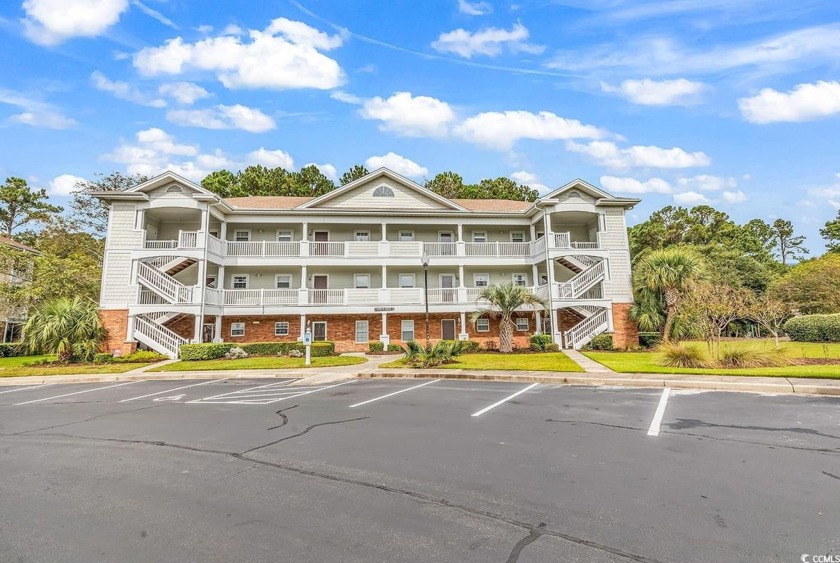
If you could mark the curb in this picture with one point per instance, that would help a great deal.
(781, 385)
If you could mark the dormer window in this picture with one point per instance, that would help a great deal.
(174, 190)
(383, 191)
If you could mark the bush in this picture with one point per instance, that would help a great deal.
(138, 357)
(539, 342)
(236, 353)
(376, 347)
(553, 347)
(814, 328)
(11, 350)
(267, 348)
(649, 339)
(745, 357)
(205, 351)
(681, 356)
(601, 342)
(470, 347)
(433, 356)
(394, 348)
(103, 359)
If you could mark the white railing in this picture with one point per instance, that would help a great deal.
(406, 295)
(188, 239)
(564, 241)
(440, 248)
(326, 297)
(148, 297)
(362, 296)
(538, 247)
(280, 297)
(541, 291)
(503, 249)
(215, 245)
(578, 285)
(326, 249)
(166, 286)
(244, 248)
(472, 293)
(443, 295)
(272, 248)
(214, 296)
(584, 331)
(158, 337)
(362, 248)
(160, 244)
(405, 248)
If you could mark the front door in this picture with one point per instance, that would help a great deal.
(320, 283)
(208, 333)
(447, 329)
(448, 238)
(319, 331)
(447, 285)
(320, 238)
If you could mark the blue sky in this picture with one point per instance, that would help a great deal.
(732, 103)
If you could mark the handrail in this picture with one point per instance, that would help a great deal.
(169, 286)
(585, 328)
(164, 337)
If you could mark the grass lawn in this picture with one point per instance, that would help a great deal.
(266, 362)
(645, 362)
(13, 367)
(549, 361)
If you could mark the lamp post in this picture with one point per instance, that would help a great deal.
(425, 261)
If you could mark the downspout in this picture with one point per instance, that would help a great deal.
(549, 267)
(203, 282)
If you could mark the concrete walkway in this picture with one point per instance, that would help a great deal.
(588, 365)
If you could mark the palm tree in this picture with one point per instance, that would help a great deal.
(660, 278)
(503, 301)
(69, 328)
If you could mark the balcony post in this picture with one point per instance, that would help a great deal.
(384, 283)
(262, 297)
(538, 328)
(303, 299)
(463, 335)
(262, 249)
(304, 244)
(384, 232)
(129, 329)
(217, 330)
(302, 326)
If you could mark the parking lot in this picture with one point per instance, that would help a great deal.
(414, 470)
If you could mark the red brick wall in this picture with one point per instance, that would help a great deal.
(626, 333)
(566, 319)
(183, 326)
(115, 322)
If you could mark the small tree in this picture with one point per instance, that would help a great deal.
(21, 205)
(713, 307)
(69, 328)
(503, 301)
(770, 313)
(354, 173)
(831, 234)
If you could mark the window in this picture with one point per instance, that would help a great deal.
(481, 280)
(240, 282)
(174, 190)
(517, 236)
(362, 236)
(281, 328)
(319, 331)
(214, 233)
(479, 236)
(237, 329)
(406, 280)
(285, 236)
(406, 236)
(407, 331)
(361, 281)
(283, 281)
(383, 191)
(482, 325)
(522, 324)
(362, 333)
(520, 279)
(242, 236)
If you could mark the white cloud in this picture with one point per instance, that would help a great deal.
(124, 91)
(271, 158)
(286, 55)
(707, 183)
(412, 116)
(608, 154)
(35, 113)
(346, 97)
(649, 92)
(501, 130)
(490, 42)
(327, 170)
(223, 117)
(690, 198)
(185, 93)
(63, 185)
(830, 194)
(474, 8)
(805, 102)
(399, 164)
(614, 184)
(663, 56)
(50, 22)
(734, 197)
(530, 180)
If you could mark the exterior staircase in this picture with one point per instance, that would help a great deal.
(582, 333)
(163, 284)
(157, 337)
(589, 272)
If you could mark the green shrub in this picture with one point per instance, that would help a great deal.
(103, 359)
(681, 356)
(649, 339)
(441, 353)
(539, 342)
(553, 347)
(394, 348)
(138, 357)
(376, 347)
(205, 351)
(267, 348)
(746, 357)
(11, 350)
(814, 328)
(601, 342)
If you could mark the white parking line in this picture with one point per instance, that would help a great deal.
(394, 393)
(660, 412)
(506, 399)
(263, 398)
(27, 387)
(176, 389)
(76, 393)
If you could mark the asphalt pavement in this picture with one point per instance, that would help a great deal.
(414, 470)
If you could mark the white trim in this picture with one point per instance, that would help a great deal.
(235, 231)
(291, 235)
(527, 324)
(237, 324)
(233, 281)
(400, 233)
(475, 281)
(403, 331)
(288, 328)
(313, 276)
(524, 238)
(485, 233)
(480, 319)
(314, 232)
(325, 330)
(454, 281)
(356, 331)
(277, 280)
(451, 233)
(356, 235)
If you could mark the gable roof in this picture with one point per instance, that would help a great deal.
(138, 192)
(15, 244)
(578, 184)
(403, 181)
(494, 205)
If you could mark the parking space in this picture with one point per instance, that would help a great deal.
(716, 479)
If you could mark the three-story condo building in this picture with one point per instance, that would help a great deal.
(184, 265)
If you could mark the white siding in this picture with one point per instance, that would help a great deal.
(619, 286)
(404, 198)
(117, 289)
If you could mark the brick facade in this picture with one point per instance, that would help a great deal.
(115, 322)
(626, 333)
(567, 319)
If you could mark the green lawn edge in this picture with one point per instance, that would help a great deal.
(549, 361)
(77, 369)
(260, 362)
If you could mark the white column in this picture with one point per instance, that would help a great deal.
(302, 325)
(223, 230)
(305, 235)
(460, 232)
(383, 337)
(304, 282)
(199, 325)
(538, 328)
(461, 276)
(129, 329)
(535, 275)
(384, 232)
(220, 278)
(384, 276)
(533, 232)
(218, 330)
(463, 335)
